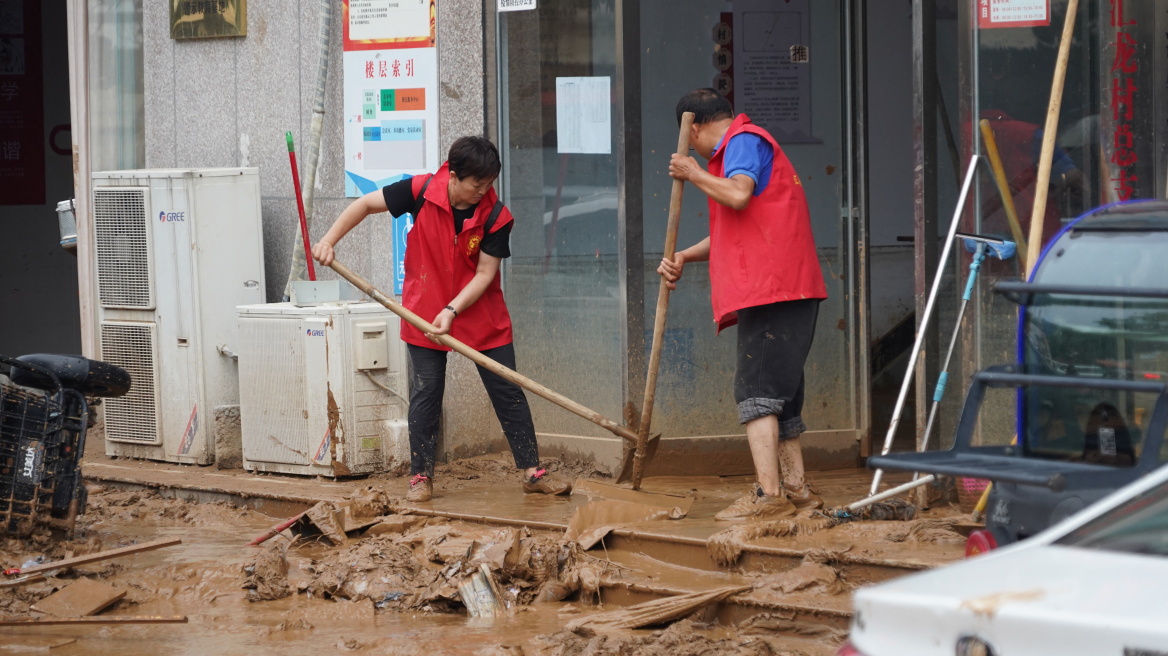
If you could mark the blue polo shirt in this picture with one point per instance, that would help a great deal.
(749, 154)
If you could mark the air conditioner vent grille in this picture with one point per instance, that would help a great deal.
(122, 242)
(133, 417)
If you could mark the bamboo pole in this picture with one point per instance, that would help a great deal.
(1049, 134)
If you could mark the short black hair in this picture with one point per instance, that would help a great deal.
(707, 105)
(474, 157)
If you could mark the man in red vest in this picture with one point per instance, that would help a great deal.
(765, 277)
(461, 233)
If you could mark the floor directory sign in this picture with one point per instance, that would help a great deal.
(391, 92)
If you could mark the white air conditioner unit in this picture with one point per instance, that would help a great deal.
(176, 250)
(322, 389)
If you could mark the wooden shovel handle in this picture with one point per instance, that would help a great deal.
(482, 360)
(687, 120)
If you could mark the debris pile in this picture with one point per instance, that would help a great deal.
(372, 551)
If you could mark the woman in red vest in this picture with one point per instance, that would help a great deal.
(461, 233)
(764, 277)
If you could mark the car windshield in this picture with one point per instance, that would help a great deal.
(1097, 337)
(1140, 525)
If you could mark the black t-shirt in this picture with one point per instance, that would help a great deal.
(399, 198)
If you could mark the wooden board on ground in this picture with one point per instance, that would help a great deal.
(80, 598)
(394, 524)
(34, 644)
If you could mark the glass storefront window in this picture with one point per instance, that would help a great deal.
(562, 279)
(117, 101)
(575, 322)
(1108, 147)
(695, 385)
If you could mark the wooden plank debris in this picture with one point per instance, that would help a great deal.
(101, 555)
(655, 612)
(96, 619)
(82, 597)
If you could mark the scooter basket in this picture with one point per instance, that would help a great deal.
(42, 436)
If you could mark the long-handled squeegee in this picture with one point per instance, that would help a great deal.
(981, 247)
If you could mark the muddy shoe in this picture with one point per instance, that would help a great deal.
(756, 505)
(543, 483)
(804, 498)
(421, 489)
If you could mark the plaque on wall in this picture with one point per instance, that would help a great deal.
(206, 19)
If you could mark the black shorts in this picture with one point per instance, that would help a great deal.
(773, 343)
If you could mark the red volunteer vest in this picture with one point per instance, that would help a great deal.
(766, 252)
(440, 263)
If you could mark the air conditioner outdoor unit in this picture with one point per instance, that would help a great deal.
(322, 389)
(176, 250)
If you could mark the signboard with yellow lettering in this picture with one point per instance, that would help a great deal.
(205, 19)
(391, 92)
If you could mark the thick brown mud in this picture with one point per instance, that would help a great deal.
(358, 576)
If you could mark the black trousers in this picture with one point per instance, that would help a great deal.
(773, 343)
(427, 386)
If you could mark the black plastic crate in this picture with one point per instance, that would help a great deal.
(42, 436)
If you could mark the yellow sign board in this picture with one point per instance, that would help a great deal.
(205, 19)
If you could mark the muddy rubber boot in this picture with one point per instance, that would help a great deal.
(757, 505)
(421, 489)
(544, 483)
(804, 498)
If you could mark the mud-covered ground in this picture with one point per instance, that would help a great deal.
(391, 582)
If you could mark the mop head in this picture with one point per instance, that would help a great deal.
(726, 546)
(895, 509)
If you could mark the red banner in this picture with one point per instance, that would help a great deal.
(22, 123)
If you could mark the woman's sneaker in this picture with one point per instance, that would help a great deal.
(543, 483)
(803, 498)
(757, 505)
(421, 488)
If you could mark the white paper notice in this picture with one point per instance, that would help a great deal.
(516, 5)
(584, 115)
(388, 19)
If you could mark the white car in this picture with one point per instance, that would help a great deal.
(1094, 584)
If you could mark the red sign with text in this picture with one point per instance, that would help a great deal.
(1013, 13)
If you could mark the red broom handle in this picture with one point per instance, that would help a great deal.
(300, 206)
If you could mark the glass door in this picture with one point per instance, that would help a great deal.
(783, 64)
(587, 90)
(557, 65)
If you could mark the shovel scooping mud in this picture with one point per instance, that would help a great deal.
(635, 457)
(484, 361)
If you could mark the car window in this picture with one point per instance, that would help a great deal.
(1097, 337)
(1139, 525)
